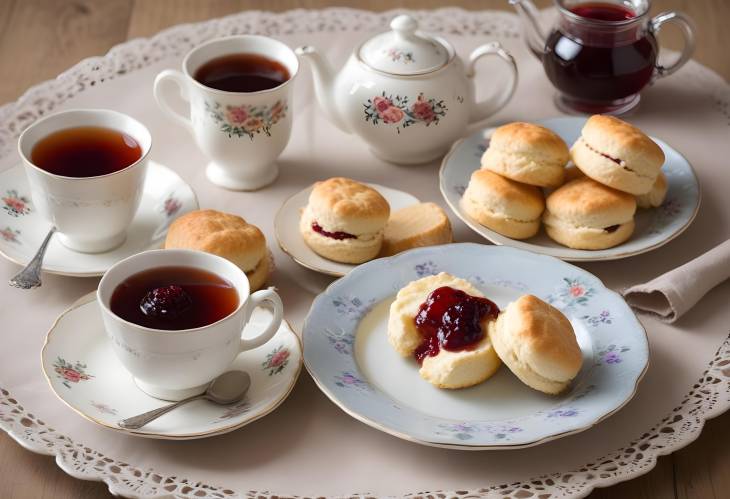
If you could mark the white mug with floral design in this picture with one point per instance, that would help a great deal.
(176, 364)
(407, 93)
(242, 133)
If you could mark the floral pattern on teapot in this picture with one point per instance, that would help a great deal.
(399, 110)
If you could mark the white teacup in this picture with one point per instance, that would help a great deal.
(241, 132)
(91, 213)
(173, 365)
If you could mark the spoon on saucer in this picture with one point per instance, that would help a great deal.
(30, 276)
(228, 388)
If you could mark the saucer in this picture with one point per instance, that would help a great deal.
(83, 371)
(286, 226)
(346, 351)
(654, 227)
(22, 229)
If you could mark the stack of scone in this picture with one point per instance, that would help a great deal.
(349, 222)
(533, 339)
(505, 195)
(615, 168)
(225, 235)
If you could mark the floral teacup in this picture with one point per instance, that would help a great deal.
(241, 132)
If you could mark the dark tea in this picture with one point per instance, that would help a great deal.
(601, 65)
(85, 151)
(174, 298)
(242, 73)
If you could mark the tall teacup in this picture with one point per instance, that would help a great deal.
(242, 133)
(175, 364)
(91, 213)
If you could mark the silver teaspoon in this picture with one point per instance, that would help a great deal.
(30, 276)
(227, 388)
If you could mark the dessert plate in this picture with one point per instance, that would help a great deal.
(347, 352)
(654, 227)
(84, 372)
(22, 229)
(286, 226)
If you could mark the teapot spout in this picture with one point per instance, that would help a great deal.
(324, 78)
(534, 35)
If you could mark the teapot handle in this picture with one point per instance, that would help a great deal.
(486, 108)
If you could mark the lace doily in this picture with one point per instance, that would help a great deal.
(709, 397)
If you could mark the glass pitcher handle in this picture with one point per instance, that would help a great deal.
(688, 31)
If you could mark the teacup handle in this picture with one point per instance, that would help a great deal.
(486, 108)
(178, 78)
(256, 299)
(687, 27)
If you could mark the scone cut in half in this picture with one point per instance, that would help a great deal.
(415, 226)
(225, 235)
(618, 155)
(344, 220)
(584, 214)
(503, 205)
(442, 320)
(537, 343)
(527, 153)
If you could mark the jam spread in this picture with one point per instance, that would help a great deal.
(612, 228)
(451, 319)
(334, 235)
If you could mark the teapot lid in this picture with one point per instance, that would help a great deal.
(403, 50)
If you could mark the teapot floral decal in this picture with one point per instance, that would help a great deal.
(400, 111)
(246, 120)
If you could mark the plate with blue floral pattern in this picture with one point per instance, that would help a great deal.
(347, 352)
(654, 227)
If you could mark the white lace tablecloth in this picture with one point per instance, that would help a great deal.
(308, 446)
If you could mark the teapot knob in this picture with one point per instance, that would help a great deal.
(404, 25)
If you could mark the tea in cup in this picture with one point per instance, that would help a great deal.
(86, 169)
(175, 318)
(240, 93)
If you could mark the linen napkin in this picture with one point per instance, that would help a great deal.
(672, 294)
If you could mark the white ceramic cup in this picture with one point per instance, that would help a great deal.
(173, 365)
(91, 213)
(242, 133)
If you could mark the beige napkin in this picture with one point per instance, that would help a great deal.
(670, 295)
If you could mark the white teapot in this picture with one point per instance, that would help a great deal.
(406, 93)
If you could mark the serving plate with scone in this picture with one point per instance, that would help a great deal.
(443, 347)
(339, 223)
(630, 194)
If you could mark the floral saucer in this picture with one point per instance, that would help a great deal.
(654, 227)
(22, 229)
(286, 225)
(84, 372)
(347, 352)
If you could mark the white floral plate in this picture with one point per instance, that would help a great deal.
(22, 229)
(84, 372)
(654, 227)
(286, 225)
(347, 353)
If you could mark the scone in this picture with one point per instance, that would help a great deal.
(503, 205)
(442, 367)
(655, 197)
(537, 343)
(415, 226)
(224, 235)
(617, 154)
(584, 214)
(527, 153)
(344, 220)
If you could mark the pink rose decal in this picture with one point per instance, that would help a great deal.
(423, 110)
(381, 104)
(276, 360)
(576, 291)
(237, 115)
(70, 373)
(403, 112)
(279, 358)
(392, 115)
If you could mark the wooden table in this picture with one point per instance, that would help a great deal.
(41, 38)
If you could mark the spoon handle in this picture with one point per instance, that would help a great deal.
(140, 420)
(30, 276)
